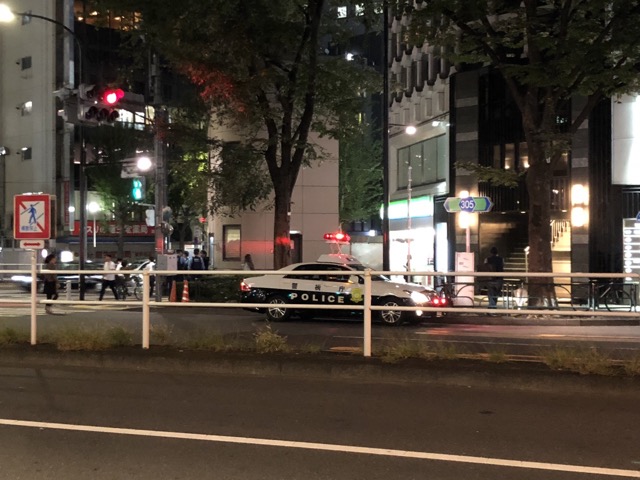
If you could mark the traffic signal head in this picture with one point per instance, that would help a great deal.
(96, 106)
(112, 96)
(86, 92)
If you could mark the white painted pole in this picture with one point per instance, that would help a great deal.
(145, 309)
(34, 297)
(367, 313)
(468, 234)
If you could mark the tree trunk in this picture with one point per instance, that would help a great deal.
(282, 225)
(541, 291)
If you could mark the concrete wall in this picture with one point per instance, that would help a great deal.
(36, 84)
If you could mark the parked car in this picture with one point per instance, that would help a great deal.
(344, 287)
(91, 281)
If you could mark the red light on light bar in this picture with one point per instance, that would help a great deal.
(338, 237)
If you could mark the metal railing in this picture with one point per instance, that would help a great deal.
(509, 301)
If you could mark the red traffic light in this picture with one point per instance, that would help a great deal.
(337, 237)
(112, 96)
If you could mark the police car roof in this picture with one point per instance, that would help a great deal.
(341, 258)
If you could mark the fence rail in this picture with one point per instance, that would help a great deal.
(597, 287)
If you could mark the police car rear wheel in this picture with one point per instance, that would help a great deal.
(390, 317)
(277, 313)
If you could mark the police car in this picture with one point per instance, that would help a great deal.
(344, 287)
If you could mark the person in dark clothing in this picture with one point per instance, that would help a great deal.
(496, 264)
(205, 259)
(196, 263)
(50, 280)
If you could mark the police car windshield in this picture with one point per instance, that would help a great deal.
(375, 278)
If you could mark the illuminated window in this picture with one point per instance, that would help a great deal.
(26, 153)
(25, 108)
(359, 9)
(231, 242)
(509, 156)
(342, 12)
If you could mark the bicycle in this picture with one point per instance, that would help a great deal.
(613, 295)
(123, 290)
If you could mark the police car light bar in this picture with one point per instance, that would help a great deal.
(337, 237)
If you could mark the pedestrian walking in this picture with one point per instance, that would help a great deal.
(109, 279)
(150, 267)
(50, 281)
(248, 263)
(496, 264)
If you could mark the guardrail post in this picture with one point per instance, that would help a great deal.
(68, 290)
(145, 309)
(34, 297)
(367, 313)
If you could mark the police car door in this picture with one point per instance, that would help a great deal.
(339, 288)
(301, 287)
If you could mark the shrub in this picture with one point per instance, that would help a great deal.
(10, 336)
(268, 341)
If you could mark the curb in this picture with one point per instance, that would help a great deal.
(522, 376)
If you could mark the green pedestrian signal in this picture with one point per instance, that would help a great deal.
(137, 189)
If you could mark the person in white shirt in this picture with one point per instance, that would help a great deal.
(109, 279)
(151, 266)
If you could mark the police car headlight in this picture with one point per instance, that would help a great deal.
(419, 298)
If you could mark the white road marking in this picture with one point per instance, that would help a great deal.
(328, 447)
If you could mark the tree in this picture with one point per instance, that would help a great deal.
(263, 68)
(112, 145)
(360, 178)
(548, 53)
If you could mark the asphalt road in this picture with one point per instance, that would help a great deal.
(463, 333)
(105, 424)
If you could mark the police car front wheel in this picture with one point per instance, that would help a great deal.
(277, 312)
(390, 317)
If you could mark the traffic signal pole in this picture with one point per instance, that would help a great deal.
(83, 211)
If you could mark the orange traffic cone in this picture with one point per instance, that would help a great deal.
(172, 295)
(185, 291)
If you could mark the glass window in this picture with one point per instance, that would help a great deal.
(497, 157)
(443, 156)
(524, 156)
(342, 12)
(430, 173)
(26, 153)
(509, 156)
(415, 159)
(26, 107)
(403, 163)
(359, 9)
(231, 242)
(25, 63)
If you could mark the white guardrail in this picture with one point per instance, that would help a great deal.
(510, 304)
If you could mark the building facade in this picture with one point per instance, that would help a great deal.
(468, 113)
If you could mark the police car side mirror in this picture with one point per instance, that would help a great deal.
(356, 279)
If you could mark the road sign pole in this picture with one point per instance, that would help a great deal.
(468, 235)
(34, 297)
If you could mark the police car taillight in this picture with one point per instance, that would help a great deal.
(439, 301)
(244, 287)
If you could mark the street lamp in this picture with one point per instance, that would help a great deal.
(94, 208)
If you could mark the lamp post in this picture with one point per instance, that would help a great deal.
(385, 136)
